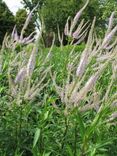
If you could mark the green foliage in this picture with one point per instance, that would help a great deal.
(50, 108)
(53, 18)
(108, 7)
(58, 15)
(38, 128)
(60, 58)
(30, 4)
(6, 20)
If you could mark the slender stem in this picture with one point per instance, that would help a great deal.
(84, 147)
(20, 124)
(65, 133)
(75, 140)
(41, 143)
(16, 134)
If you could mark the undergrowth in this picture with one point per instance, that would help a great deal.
(59, 101)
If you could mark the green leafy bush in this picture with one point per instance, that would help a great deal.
(60, 100)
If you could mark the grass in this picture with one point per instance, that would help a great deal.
(59, 101)
(41, 126)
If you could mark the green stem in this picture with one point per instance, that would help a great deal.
(41, 144)
(20, 127)
(75, 140)
(64, 135)
(84, 147)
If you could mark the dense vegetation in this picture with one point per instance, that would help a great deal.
(52, 19)
(54, 13)
(59, 101)
(8, 21)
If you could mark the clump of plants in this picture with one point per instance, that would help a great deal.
(48, 110)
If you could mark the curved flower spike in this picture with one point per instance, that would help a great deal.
(76, 18)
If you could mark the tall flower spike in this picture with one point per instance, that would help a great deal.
(27, 22)
(21, 75)
(77, 97)
(82, 64)
(90, 36)
(111, 19)
(109, 37)
(76, 33)
(93, 104)
(79, 30)
(12, 86)
(20, 39)
(14, 34)
(88, 86)
(84, 57)
(76, 18)
(66, 29)
(114, 68)
(109, 34)
(81, 39)
(29, 37)
(32, 61)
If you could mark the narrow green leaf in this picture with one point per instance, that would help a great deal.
(69, 150)
(46, 115)
(36, 137)
(81, 124)
(47, 154)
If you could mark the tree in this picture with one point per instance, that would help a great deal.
(20, 19)
(58, 15)
(30, 4)
(55, 12)
(108, 7)
(6, 20)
